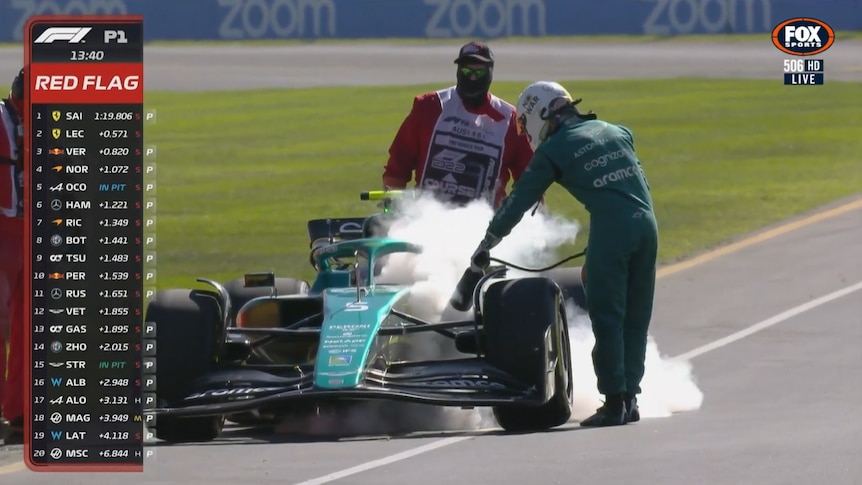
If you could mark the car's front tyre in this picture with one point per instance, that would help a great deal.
(526, 336)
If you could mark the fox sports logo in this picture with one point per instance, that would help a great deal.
(803, 36)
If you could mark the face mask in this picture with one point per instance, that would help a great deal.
(474, 91)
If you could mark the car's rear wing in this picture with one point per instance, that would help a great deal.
(351, 227)
(341, 229)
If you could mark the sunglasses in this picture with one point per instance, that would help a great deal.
(478, 71)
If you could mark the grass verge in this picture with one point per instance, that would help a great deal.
(238, 175)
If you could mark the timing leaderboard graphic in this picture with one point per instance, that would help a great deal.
(85, 201)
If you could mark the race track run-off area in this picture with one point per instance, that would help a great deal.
(770, 325)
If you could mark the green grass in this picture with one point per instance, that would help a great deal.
(240, 173)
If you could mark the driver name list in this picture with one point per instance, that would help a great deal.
(87, 221)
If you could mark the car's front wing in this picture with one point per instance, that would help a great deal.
(463, 383)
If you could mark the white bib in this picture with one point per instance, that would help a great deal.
(465, 155)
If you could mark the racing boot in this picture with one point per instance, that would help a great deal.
(634, 414)
(612, 413)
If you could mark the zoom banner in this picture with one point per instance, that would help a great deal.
(356, 19)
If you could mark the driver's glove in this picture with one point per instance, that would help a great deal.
(481, 258)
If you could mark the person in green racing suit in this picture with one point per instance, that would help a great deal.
(596, 162)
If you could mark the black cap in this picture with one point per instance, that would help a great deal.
(475, 51)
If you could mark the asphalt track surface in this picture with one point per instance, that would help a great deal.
(771, 326)
(195, 68)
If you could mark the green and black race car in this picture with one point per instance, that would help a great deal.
(267, 346)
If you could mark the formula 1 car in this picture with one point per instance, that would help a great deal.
(270, 346)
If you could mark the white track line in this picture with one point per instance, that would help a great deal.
(769, 322)
(387, 460)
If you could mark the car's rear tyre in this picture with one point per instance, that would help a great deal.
(240, 295)
(526, 335)
(187, 323)
(569, 281)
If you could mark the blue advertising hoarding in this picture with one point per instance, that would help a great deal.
(356, 19)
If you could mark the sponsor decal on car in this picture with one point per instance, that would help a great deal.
(340, 359)
(237, 391)
(470, 383)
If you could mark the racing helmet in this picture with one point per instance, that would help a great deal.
(16, 94)
(537, 104)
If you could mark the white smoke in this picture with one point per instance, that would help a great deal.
(668, 385)
(449, 235)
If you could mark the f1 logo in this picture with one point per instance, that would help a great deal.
(72, 35)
